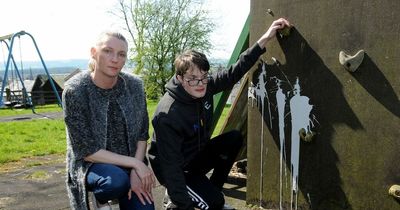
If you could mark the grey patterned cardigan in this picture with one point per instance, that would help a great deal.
(85, 111)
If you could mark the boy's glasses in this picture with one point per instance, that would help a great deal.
(195, 82)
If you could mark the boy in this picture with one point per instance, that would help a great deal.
(181, 152)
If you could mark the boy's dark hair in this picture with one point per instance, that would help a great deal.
(186, 59)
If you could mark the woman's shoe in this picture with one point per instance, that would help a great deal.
(99, 206)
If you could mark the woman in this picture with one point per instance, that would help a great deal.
(107, 128)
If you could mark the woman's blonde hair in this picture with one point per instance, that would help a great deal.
(100, 41)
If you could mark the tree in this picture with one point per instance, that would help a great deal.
(161, 29)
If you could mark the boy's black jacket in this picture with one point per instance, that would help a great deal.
(182, 126)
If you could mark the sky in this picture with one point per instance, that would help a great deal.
(66, 29)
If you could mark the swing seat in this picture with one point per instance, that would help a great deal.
(22, 106)
(10, 103)
(19, 106)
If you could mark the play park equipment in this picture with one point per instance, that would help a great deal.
(19, 98)
(322, 132)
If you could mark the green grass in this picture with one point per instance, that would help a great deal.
(38, 109)
(38, 175)
(21, 139)
(221, 120)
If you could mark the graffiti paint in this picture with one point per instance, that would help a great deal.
(300, 112)
(280, 101)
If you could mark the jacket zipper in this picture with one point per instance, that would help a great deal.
(199, 123)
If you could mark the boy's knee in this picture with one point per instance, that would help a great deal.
(236, 138)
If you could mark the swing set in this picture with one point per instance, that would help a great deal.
(16, 97)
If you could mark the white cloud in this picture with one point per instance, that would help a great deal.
(232, 16)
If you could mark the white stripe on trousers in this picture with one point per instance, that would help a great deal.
(197, 199)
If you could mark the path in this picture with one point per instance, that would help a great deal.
(48, 115)
(26, 187)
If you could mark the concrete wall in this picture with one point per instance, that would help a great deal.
(354, 156)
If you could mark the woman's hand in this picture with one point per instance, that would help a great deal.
(137, 188)
(146, 176)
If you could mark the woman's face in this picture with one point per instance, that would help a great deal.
(110, 56)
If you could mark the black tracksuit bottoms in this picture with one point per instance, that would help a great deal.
(219, 156)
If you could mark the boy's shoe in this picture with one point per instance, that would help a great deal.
(167, 203)
(227, 207)
(98, 206)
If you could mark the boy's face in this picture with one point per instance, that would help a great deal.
(194, 81)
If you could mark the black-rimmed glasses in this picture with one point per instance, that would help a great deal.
(195, 82)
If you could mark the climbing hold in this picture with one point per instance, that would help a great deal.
(285, 31)
(306, 136)
(302, 133)
(351, 63)
(269, 11)
(394, 191)
(276, 62)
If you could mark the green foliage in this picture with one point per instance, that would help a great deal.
(161, 29)
(151, 108)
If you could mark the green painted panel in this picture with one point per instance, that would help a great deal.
(241, 45)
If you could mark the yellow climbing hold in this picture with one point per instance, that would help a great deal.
(395, 191)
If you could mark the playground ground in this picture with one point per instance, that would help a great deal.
(28, 186)
(38, 182)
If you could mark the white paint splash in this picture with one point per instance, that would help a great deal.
(261, 92)
(280, 101)
(251, 94)
(261, 95)
(300, 111)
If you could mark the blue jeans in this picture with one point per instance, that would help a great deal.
(109, 182)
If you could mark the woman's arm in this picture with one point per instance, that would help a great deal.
(143, 194)
(105, 156)
(141, 150)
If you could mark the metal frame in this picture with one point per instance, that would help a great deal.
(10, 57)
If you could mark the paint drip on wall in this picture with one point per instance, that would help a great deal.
(297, 108)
